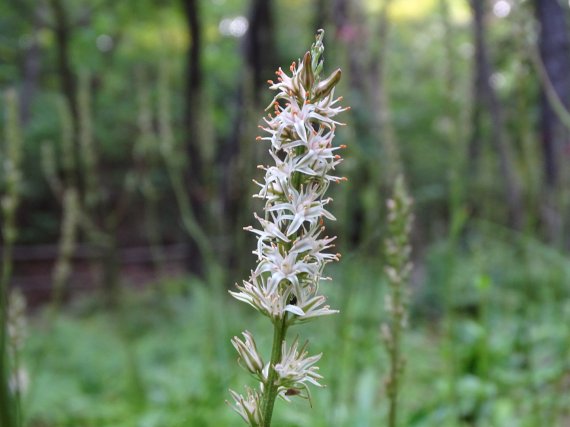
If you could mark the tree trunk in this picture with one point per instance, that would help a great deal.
(554, 45)
(259, 54)
(350, 23)
(479, 86)
(380, 101)
(484, 96)
(31, 73)
(194, 175)
(260, 45)
(350, 32)
(62, 32)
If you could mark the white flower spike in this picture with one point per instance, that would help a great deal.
(290, 249)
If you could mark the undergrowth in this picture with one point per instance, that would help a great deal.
(510, 343)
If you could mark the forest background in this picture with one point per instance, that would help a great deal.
(138, 122)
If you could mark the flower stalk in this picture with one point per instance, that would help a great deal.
(290, 244)
(268, 403)
(398, 268)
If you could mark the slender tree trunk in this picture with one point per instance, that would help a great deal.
(259, 61)
(349, 20)
(486, 97)
(554, 45)
(232, 190)
(260, 45)
(479, 86)
(386, 165)
(31, 74)
(350, 31)
(194, 175)
(62, 32)
(380, 100)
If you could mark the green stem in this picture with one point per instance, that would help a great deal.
(279, 332)
(395, 362)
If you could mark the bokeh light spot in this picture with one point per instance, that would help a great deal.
(234, 27)
(501, 8)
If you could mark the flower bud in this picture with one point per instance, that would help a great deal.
(326, 86)
(248, 353)
(248, 406)
(307, 76)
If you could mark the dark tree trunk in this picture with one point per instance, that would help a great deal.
(479, 86)
(259, 65)
(62, 31)
(554, 44)
(380, 100)
(349, 25)
(193, 56)
(260, 45)
(194, 175)
(232, 190)
(484, 96)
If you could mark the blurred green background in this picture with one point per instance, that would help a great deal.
(138, 120)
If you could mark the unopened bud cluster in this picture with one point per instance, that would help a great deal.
(398, 268)
(291, 247)
(397, 250)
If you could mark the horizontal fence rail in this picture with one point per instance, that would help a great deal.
(138, 265)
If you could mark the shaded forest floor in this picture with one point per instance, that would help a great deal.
(496, 356)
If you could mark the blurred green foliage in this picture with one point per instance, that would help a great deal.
(521, 345)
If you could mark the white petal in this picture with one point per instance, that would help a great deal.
(295, 310)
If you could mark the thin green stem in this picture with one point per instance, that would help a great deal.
(398, 272)
(395, 361)
(279, 332)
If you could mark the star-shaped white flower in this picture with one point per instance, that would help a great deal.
(303, 205)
